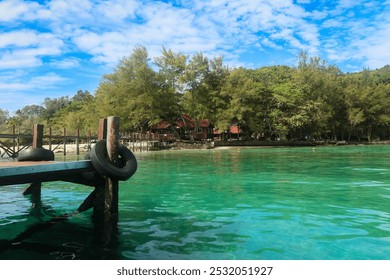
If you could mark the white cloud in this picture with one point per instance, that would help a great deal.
(19, 38)
(206, 26)
(375, 46)
(11, 10)
(47, 81)
(106, 47)
(346, 4)
(317, 15)
(25, 48)
(332, 22)
(26, 89)
(39, 82)
(70, 10)
(360, 39)
(66, 63)
(9, 60)
(118, 11)
(102, 32)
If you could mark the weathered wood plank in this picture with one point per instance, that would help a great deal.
(12, 173)
(9, 135)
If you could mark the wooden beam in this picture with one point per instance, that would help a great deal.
(111, 195)
(35, 187)
(102, 129)
(37, 136)
(12, 173)
(8, 136)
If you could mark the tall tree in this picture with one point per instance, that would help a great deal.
(80, 113)
(320, 84)
(215, 80)
(171, 68)
(53, 106)
(26, 117)
(4, 118)
(130, 92)
(196, 96)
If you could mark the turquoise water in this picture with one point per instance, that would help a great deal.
(240, 203)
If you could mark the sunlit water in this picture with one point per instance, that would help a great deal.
(247, 203)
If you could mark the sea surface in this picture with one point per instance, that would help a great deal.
(331, 203)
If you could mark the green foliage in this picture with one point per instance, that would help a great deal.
(311, 101)
(171, 68)
(78, 113)
(131, 92)
(4, 118)
(25, 118)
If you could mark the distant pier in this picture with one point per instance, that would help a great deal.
(12, 143)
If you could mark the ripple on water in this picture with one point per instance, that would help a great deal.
(224, 204)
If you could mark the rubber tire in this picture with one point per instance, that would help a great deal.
(37, 154)
(104, 167)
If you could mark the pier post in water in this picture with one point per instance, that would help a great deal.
(106, 192)
(111, 195)
(77, 141)
(35, 188)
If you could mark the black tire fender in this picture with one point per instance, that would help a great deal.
(99, 159)
(36, 154)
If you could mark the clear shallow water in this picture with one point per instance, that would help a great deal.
(247, 203)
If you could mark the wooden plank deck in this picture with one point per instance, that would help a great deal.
(12, 173)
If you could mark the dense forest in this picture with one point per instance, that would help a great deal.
(313, 100)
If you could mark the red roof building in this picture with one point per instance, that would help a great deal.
(183, 129)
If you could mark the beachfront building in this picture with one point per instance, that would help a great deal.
(184, 128)
(233, 132)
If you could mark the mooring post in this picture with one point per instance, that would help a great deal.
(77, 141)
(111, 197)
(13, 140)
(35, 188)
(106, 192)
(102, 130)
(89, 140)
(50, 134)
(64, 141)
(37, 136)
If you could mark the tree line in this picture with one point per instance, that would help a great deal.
(313, 100)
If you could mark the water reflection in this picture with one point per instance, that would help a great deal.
(43, 233)
(231, 204)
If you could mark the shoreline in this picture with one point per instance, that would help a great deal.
(71, 149)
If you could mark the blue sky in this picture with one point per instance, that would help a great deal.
(55, 48)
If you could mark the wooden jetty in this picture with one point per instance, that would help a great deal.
(108, 163)
(12, 143)
(12, 173)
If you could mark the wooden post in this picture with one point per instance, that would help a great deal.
(37, 136)
(111, 196)
(35, 188)
(102, 132)
(89, 140)
(18, 141)
(133, 141)
(64, 141)
(147, 141)
(77, 141)
(105, 196)
(50, 134)
(13, 140)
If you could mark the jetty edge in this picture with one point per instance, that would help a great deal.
(102, 169)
